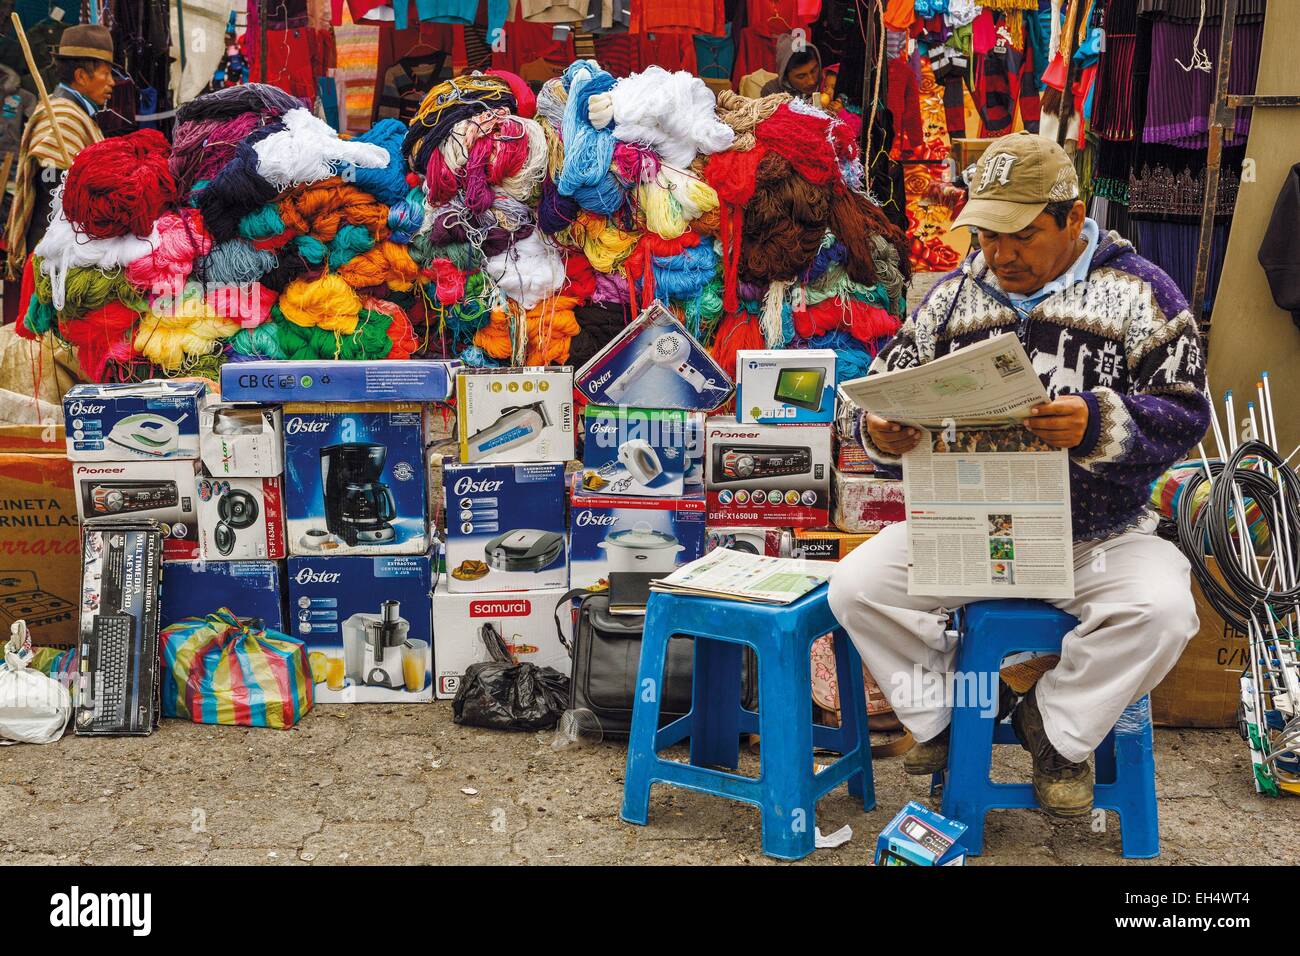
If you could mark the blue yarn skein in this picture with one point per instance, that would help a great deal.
(406, 216)
(349, 242)
(588, 152)
(851, 359)
(389, 184)
(235, 262)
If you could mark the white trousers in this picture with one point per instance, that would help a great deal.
(1136, 614)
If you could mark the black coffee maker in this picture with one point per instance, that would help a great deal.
(358, 506)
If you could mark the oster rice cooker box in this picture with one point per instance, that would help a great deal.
(767, 474)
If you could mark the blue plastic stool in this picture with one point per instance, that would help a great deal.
(1125, 765)
(787, 789)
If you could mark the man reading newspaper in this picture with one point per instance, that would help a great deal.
(1114, 344)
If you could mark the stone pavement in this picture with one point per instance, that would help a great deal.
(403, 784)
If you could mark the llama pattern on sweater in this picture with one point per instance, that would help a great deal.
(1123, 340)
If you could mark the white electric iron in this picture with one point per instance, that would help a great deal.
(147, 433)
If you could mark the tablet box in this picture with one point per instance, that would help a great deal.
(524, 620)
(354, 479)
(635, 451)
(505, 527)
(784, 386)
(136, 421)
(162, 490)
(611, 533)
(240, 518)
(515, 415)
(268, 380)
(241, 439)
(654, 363)
(918, 836)
(768, 474)
(337, 604)
(253, 589)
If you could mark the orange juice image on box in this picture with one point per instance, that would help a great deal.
(336, 673)
(413, 672)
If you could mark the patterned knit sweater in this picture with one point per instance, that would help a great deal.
(1123, 340)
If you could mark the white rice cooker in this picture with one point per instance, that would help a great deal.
(640, 548)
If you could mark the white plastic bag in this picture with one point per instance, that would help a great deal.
(34, 709)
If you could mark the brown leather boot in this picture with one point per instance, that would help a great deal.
(932, 756)
(1063, 789)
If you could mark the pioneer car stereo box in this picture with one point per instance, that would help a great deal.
(767, 474)
(163, 491)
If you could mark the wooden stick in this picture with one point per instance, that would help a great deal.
(40, 88)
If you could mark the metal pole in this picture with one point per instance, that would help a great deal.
(1067, 95)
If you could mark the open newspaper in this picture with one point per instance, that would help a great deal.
(738, 576)
(988, 502)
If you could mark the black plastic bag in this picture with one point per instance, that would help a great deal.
(507, 696)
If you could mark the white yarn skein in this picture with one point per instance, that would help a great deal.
(673, 113)
(529, 271)
(309, 150)
(65, 247)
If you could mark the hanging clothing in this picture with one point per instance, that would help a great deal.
(688, 16)
(554, 11)
(903, 97)
(715, 56)
(1178, 101)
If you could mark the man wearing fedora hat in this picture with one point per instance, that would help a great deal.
(85, 61)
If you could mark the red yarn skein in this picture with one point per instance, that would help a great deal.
(120, 186)
(101, 335)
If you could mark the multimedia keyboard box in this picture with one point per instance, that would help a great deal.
(241, 440)
(163, 491)
(635, 451)
(40, 540)
(768, 474)
(120, 577)
(413, 380)
(515, 415)
(240, 518)
(253, 589)
(365, 622)
(137, 420)
(785, 386)
(354, 479)
(523, 621)
(505, 527)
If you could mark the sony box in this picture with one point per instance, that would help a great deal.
(631, 534)
(642, 452)
(251, 589)
(354, 479)
(412, 380)
(515, 415)
(785, 386)
(768, 474)
(821, 544)
(654, 363)
(523, 620)
(365, 622)
(241, 440)
(140, 420)
(240, 518)
(505, 527)
(162, 490)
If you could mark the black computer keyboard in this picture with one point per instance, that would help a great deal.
(112, 665)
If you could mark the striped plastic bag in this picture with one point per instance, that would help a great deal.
(218, 670)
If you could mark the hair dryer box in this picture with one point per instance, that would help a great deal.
(354, 479)
(134, 421)
(240, 518)
(249, 588)
(524, 621)
(161, 490)
(366, 624)
(768, 474)
(241, 439)
(630, 534)
(381, 380)
(642, 452)
(785, 386)
(654, 363)
(505, 527)
(515, 415)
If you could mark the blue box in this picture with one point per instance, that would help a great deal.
(608, 534)
(412, 380)
(643, 452)
(918, 836)
(362, 647)
(136, 420)
(505, 527)
(654, 363)
(354, 479)
(249, 588)
(785, 386)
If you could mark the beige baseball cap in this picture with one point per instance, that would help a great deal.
(1015, 179)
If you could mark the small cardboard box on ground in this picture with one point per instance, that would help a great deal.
(641, 452)
(40, 540)
(163, 490)
(920, 837)
(505, 527)
(253, 589)
(768, 474)
(240, 518)
(365, 621)
(785, 386)
(142, 420)
(515, 415)
(524, 620)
